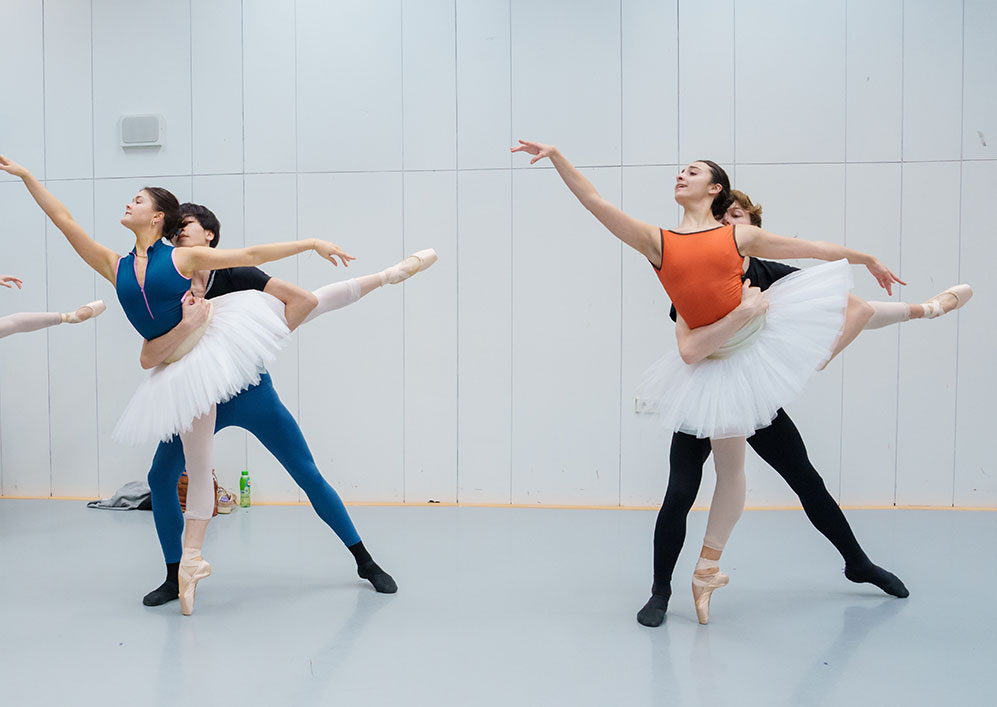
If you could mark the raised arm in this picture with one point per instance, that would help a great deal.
(642, 237)
(195, 313)
(752, 240)
(97, 256)
(298, 302)
(696, 344)
(190, 260)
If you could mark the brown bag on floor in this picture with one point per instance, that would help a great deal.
(182, 492)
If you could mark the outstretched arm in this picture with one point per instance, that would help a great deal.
(298, 302)
(190, 260)
(99, 257)
(6, 280)
(642, 237)
(752, 240)
(696, 344)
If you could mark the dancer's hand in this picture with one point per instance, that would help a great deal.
(6, 281)
(884, 276)
(331, 251)
(534, 148)
(195, 311)
(12, 168)
(753, 300)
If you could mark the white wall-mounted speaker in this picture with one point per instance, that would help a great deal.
(142, 130)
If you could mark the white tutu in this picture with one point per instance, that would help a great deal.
(245, 333)
(738, 394)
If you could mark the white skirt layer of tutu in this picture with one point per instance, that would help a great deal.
(734, 396)
(246, 332)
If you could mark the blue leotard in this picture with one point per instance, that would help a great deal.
(156, 306)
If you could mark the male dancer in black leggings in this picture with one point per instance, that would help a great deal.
(781, 446)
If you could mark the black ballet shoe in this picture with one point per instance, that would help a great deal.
(873, 574)
(381, 580)
(652, 614)
(164, 593)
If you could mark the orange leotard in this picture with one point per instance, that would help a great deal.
(701, 272)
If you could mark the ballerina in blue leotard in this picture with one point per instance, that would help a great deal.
(226, 355)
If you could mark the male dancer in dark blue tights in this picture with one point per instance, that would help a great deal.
(257, 410)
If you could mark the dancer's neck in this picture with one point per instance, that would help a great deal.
(145, 239)
(697, 218)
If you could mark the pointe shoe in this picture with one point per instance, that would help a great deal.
(406, 269)
(192, 570)
(702, 589)
(933, 308)
(87, 311)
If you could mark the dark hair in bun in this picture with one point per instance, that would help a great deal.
(722, 200)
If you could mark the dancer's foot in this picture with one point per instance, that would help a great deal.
(382, 581)
(193, 569)
(87, 311)
(873, 574)
(703, 584)
(417, 262)
(168, 590)
(653, 612)
(944, 302)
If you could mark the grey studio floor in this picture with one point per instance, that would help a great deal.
(497, 606)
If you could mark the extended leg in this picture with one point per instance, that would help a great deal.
(782, 447)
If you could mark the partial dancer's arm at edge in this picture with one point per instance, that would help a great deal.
(99, 257)
(696, 344)
(753, 241)
(641, 236)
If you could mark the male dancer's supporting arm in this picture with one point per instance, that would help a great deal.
(298, 304)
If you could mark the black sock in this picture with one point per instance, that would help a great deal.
(653, 612)
(168, 590)
(874, 574)
(371, 571)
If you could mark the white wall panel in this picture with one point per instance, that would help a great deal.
(932, 80)
(975, 483)
(349, 84)
(141, 64)
(268, 35)
(22, 121)
(484, 327)
(484, 83)
(869, 405)
(431, 340)
(118, 344)
(216, 86)
(926, 406)
(875, 86)
(72, 352)
(24, 357)
(68, 90)
(429, 84)
(224, 196)
(706, 92)
(647, 334)
(649, 81)
(352, 359)
(806, 201)
(979, 108)
(558, 76)
(271, 216)
(566, 344)
(792, 108)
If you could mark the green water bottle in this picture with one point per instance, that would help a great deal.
(244, 489)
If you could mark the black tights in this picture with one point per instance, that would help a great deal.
(781, 446)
